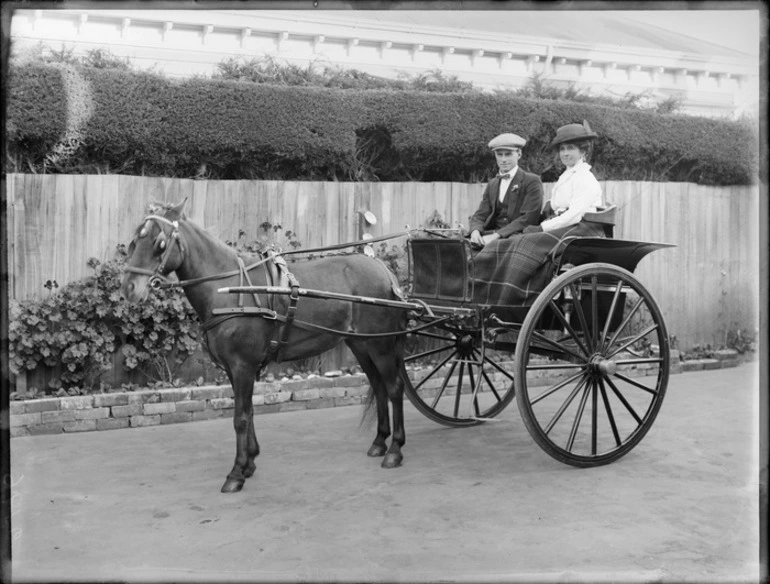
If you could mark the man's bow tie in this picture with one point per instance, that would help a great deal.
(502, 176)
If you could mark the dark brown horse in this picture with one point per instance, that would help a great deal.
(243, 344)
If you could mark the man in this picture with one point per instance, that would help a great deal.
(512, 200)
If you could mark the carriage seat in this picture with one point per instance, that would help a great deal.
(605, 216)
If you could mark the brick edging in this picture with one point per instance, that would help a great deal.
(153, 407)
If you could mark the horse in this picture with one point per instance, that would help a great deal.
(280, 327)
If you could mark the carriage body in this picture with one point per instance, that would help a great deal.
(441, 273)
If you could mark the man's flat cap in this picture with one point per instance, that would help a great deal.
(507, 141)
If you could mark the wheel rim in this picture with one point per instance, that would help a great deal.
(590, 391)
(454, 378)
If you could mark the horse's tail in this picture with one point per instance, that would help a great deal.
(370, 411)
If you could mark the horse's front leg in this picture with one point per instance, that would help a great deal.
(246, 445)
(252, 448)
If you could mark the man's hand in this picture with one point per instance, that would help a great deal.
(476, 238)
(478, 241)
(532, 229)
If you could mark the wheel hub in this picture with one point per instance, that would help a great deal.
(465, 345)
(602, 366)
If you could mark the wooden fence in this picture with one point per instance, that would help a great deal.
(706, 286)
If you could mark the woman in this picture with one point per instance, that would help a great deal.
(577, 191)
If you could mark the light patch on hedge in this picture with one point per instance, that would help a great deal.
(80, 107)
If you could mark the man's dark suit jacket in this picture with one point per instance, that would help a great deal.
(526, 190)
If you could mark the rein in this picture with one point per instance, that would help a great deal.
(158, 280)
(350, 244)
(272, 315)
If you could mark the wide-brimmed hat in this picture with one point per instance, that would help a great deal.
(507, 142)
(572, 133)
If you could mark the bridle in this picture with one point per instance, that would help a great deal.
(158, 275)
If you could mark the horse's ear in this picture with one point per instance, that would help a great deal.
(177, 211)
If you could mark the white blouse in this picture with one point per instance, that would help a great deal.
(575, 193)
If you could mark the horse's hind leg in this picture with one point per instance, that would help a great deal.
(381, 364)
(246, 445)
(377, 393)
(388, 362)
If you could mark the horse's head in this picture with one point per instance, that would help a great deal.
(155, 251)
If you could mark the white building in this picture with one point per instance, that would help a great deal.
(600, 53)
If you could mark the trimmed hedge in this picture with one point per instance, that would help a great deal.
(143, 123)
(36, 110)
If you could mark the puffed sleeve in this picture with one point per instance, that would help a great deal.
(585, 195)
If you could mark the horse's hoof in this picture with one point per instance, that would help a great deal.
(377, 450)
(392, 460)
(232, 486)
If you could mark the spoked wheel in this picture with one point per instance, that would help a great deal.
(454, 377)
(591, 365)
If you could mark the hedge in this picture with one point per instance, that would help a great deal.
(143, 123)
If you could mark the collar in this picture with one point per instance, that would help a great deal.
(581, 166)
(511, 173)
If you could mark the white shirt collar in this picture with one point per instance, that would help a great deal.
(506, 182)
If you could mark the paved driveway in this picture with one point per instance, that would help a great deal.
(477, 504)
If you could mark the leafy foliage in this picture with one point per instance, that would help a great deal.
(272, 237)
(539, 87)
(742, 341)
(267, 69)
(264, 120)
(98, 58)
(84, 323)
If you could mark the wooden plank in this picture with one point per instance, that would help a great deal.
(17, 248)
(56, 222)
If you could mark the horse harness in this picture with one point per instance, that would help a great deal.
(276, 274)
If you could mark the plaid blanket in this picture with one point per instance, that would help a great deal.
(515, 270)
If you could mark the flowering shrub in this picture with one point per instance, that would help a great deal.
(80, 327)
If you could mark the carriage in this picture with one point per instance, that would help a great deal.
(586, 359)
